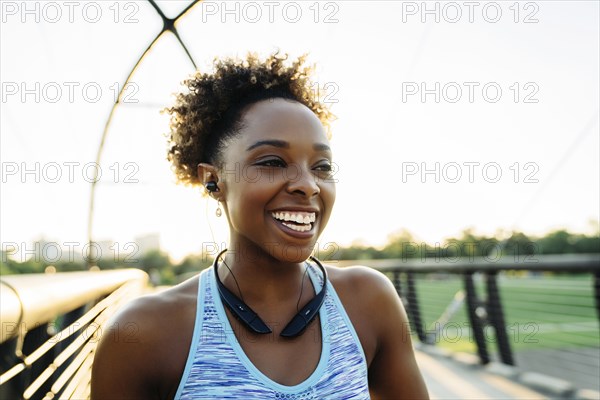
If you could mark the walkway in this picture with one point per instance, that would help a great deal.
(447, 378)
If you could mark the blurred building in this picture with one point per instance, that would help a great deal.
(43, 250)
(48, 251)
(106, 249)
(147, 243)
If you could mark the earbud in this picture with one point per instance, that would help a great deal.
(212, 186)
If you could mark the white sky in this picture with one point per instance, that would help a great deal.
(372, 52)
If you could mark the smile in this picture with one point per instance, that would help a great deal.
(296, 220)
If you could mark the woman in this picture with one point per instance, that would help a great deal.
(266, 320)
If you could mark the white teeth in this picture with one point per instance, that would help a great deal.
(299, 228)
(298, 217)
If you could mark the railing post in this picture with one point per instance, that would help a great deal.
(397, 283)
(413, 307)
(597, 291)
(476, 323)
(13, 388)
(496, 317)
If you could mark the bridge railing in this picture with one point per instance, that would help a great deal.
(50, 327)
(537, 314)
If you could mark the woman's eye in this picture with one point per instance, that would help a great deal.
(324, 167)
(272, 163)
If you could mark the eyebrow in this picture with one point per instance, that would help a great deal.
(276, 143)
(285, 145)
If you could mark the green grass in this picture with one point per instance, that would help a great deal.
(542, 311)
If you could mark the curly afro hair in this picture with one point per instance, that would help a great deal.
(210, 112)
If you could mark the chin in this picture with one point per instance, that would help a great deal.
(294, 253)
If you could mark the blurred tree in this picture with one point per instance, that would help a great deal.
(192, 264)
(156, 264)
(109, 263)
(401, 244)
(557, 242)
(69, 266)
(6, 264)
(30, 266)
(586, 244)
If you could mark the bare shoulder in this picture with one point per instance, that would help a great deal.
(143, 347)
(149, 316)
(381, 323)
(370, 300)
(365, 282)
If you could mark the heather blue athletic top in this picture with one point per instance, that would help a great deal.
(218, 368)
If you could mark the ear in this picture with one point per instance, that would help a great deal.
(208, 173)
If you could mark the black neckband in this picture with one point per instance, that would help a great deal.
(251, 319)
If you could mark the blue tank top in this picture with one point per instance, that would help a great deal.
(218, 368)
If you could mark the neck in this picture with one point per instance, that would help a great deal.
(262, 278)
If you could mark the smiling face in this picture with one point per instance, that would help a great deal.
(275, 181)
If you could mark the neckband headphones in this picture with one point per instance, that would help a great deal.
(252, 321)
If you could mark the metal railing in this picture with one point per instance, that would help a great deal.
(50, 326)
(538, 314)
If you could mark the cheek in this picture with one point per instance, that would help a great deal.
(333, 194)
(247, 204)
(328, 194)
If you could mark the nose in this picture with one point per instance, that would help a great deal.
(302, 181)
